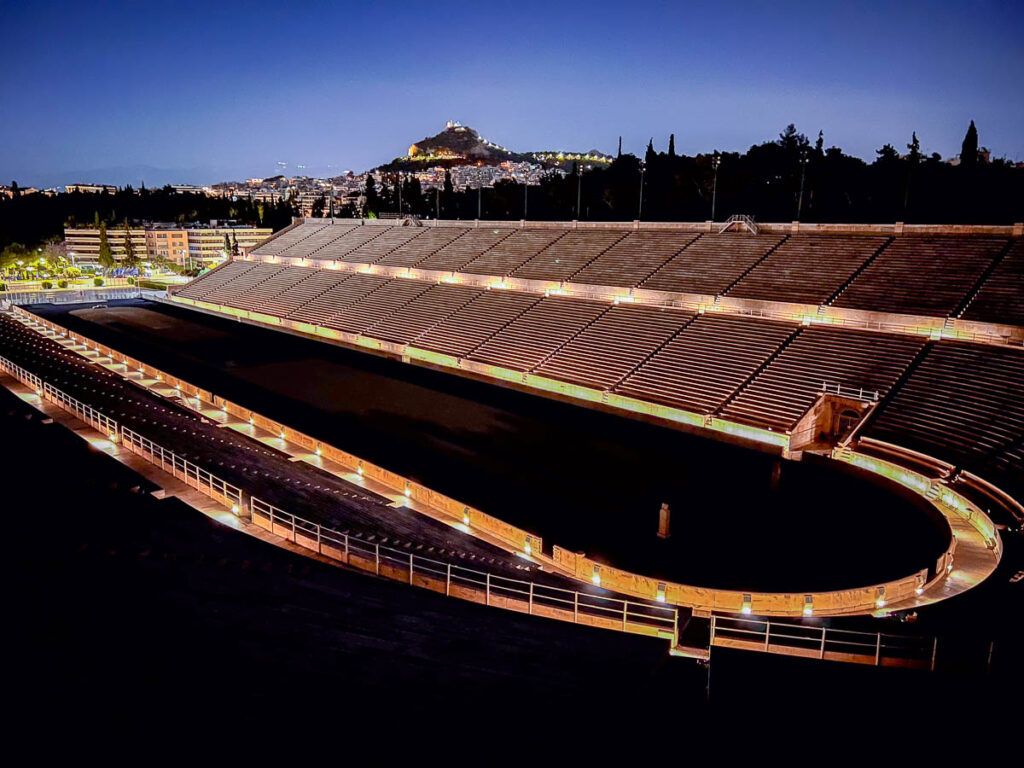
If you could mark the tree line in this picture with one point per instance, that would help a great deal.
(32, 220)
(789, 178)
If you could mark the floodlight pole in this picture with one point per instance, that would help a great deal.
(479, 200)
(640, 208)
(579, 187)
(715, 161)
(803, 171)
(526, 189)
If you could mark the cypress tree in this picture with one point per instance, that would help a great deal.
(969, 149)
(105, 256)
(671, 145)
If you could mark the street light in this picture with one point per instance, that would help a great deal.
(640, 208)
(579, 187)
(803, 171)
(715, 162)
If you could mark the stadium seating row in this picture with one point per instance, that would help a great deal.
(926, 275)
(761, 372)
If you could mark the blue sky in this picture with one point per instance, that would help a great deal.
(199, 92)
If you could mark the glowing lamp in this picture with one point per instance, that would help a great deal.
(281, 435)
(880, 597)
(596, 576)
(234, 508)
(528, 549)
(808, 605)
(465, 517)
(660, 595)
(745, 607)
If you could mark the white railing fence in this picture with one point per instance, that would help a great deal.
(454, 580)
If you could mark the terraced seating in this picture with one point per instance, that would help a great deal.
(461, 251)
(295, 486)
(424, 312)
(285, 240)
(418, 249)
(471, 326)
(343, 294)
(211, 281)
(614, 345)
(512, 252)
(807, 269)
(711, 263)
(257, 298)
(1001, 298)
(962, 404)
(780, 395)
(313, 283)
(567, 255)
(528, 340)
(339, 248)
(373, 307)
(706, 362)
(322, 237)
(388, 239)
(921, 275)
(230, 292)
(633, 259)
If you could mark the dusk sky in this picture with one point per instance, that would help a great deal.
(201, 92)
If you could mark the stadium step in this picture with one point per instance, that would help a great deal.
(972, 294)
(846, 284)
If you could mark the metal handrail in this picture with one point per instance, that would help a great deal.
(662, 618)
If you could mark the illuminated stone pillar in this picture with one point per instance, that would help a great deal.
(664, 522)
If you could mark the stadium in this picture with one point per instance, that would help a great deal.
(767, 438)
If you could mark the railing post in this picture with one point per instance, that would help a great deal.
(410, 567)
(767, 634)
(821, 655)
(488, 595)
(346, 549)
(377, 559)
(575, 607)
(625, 609)
(935, 651)
(530, 610)
(448, 581)
(878, 648)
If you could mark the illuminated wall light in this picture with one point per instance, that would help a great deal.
(528, 549)
(465, 516)
(112, 437)
(281, 435)
(234, 508)
(595, 577)
(359, 469)
(808, 605)
(408, 491)
(252, 420)
(745, 607)
(317, 450)
(660, 594)
(880, 597)
(919, 590)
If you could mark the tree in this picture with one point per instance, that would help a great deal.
(14, 189)
(650, 157)
(969, 148)
(105, 256)
(319, 206)
(819, 151)
(671, 145)
(227, 245)
(372, 200)
(915, 149)
(886, 155)
(130, 258)
(792, 141)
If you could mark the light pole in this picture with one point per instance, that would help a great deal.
(479, 200)
(526, 189)
(579, 188)
(715, 162)
(437, 199)
(399, 183)
(640, 208)
(803, 171)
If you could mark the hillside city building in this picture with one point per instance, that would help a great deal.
(185, 245)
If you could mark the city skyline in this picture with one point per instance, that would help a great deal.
(189, 98)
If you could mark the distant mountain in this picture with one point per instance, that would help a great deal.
(457, 144)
